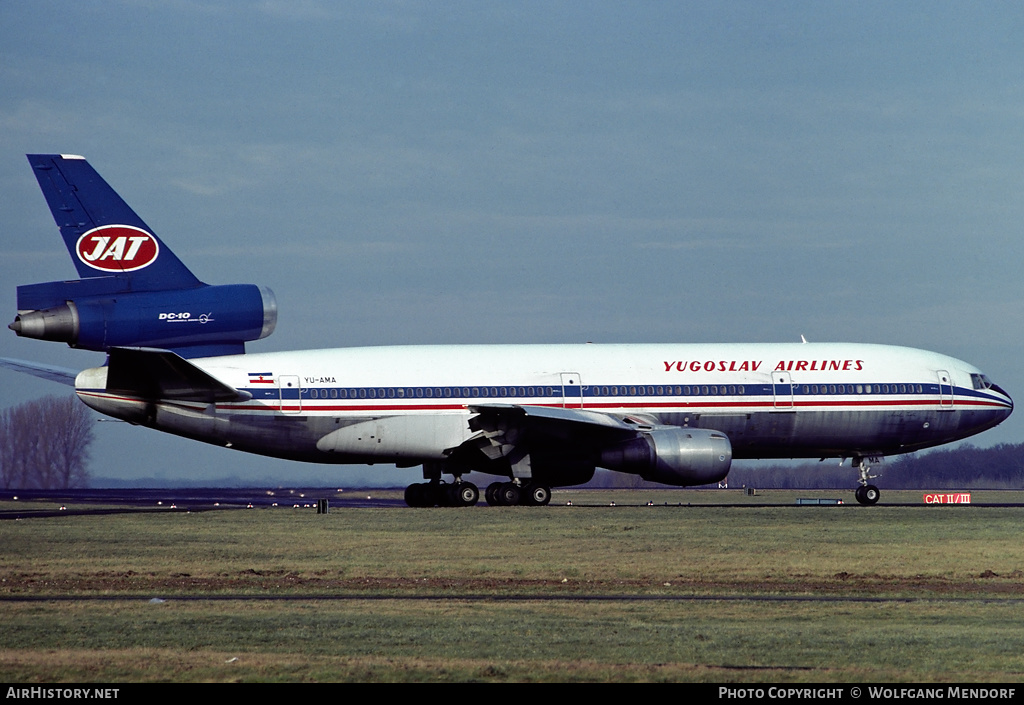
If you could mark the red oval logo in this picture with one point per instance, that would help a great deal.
(117, 248)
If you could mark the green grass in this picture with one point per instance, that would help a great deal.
(460, 640)
(957, 574)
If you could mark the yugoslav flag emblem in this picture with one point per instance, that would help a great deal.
(117, 248)
(261, 378)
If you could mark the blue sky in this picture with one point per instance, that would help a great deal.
(422, 172)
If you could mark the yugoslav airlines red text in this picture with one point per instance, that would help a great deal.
(754, 365)
(819, 365)
(712, 365)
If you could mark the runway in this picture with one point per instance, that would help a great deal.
(53, 503)
(130, 501)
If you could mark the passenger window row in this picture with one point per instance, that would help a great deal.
(600, 391)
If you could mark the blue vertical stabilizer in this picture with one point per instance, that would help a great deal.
(132, 291)
(103, 234)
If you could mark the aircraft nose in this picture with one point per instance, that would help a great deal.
(1005, 412)
(1008, 409)
(1009, 401)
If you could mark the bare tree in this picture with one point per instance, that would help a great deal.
(8, 472)
(44, 444)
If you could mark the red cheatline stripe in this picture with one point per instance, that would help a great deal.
(272, 405)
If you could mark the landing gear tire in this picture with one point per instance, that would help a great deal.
(415, 496)
(508, 494)
(867, 494)
(537, 495)
(871, 494)
(491, 494)
(464, 494)
(431, 494)
(448, 495)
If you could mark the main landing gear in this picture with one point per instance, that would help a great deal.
(465, 494)
(436, 494)
(509, 494)
(867, 493)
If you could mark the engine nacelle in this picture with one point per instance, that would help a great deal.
(673, 456)
(204, 320)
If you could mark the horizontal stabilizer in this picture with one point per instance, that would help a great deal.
(161, 374)
(50, 372)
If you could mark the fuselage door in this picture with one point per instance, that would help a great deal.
(945, 390)
(782, 387)
(291, 394)
(572, 391)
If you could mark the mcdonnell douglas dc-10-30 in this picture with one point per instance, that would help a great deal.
(541, 416)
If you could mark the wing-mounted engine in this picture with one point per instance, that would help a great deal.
(563, 446)
(672, 455)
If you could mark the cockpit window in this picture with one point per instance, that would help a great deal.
(983, 382)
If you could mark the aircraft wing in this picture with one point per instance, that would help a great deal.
(50, 372)
(161, 374)
(509, 430)
(554, 421)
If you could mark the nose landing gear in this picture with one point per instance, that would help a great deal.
(867, 493)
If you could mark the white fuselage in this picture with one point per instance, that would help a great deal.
(413, 404)
(543, 415)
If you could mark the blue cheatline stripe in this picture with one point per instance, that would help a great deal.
(694, 406)
(612, 391)
(605, 396)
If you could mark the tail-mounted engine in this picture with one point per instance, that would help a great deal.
(101, 313)
(132, 290)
